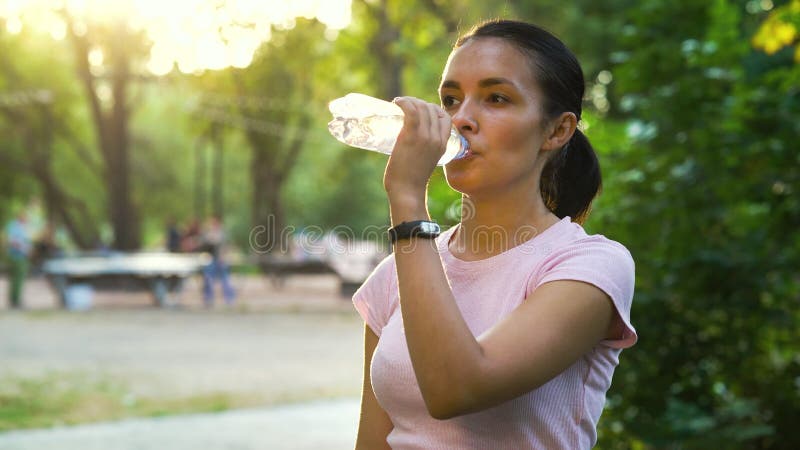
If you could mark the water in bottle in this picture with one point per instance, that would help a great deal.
(372, 124)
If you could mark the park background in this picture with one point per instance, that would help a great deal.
(693, 107)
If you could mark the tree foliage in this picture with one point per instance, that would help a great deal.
(703, 198)
(41, 122)
(108, 90)
(780, 30)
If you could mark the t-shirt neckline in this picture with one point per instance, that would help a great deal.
(540, 239)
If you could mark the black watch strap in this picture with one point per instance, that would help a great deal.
(419, 228)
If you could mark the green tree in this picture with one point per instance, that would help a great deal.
(37, 116)
(703, 199)
(107, 89)
(268, 102)
(780, 30)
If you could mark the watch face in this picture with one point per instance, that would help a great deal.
(421, 228)
(429, 227)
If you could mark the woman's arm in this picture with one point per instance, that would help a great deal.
(459, 373)
(374, 424)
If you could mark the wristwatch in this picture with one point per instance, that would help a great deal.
(417, 228)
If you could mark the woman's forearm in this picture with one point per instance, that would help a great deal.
(445, 355)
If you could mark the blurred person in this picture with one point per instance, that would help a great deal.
(213, 241)
(45, 247)
(173, 236)
(18, 239)
(191, 239)
(503, 332)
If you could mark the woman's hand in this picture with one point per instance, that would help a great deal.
(420, 145)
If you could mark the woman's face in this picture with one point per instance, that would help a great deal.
(489, 90)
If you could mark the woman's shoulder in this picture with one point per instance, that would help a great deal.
(578, 253)
(384, 271)
(578, 239)
(376, 299)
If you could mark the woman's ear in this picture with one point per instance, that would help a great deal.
(560, 131)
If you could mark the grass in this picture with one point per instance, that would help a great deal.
(72, 398)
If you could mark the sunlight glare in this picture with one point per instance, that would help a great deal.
(96, 56)
(161, 62)
(241, 57)
(104, 92)
(194, 34)
(336, 15)
(14, 25)
(187, 63)
(79, 27)
(58, 29)
(215, 53)
(306, 8)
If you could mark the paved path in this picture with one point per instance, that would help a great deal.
(271, 357)
(311, 426)
(300, 343)
(295, 353)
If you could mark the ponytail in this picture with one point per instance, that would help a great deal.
(571, 179)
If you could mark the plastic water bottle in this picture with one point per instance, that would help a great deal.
(373, 124)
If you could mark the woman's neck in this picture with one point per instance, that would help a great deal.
(489, 228)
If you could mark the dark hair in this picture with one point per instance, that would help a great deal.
(571, 177)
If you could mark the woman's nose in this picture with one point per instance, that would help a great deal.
(464, 119)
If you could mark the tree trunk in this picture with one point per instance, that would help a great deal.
(111, 128)
(390, 64)
(124, 218)
(217, 191)
(268, 214)
(200, 179)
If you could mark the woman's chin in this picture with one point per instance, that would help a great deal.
(459, 181)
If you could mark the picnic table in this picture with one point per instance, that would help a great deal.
(158, 272)
(280, 266)
(350, 260)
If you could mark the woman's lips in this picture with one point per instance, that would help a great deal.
(470, 151)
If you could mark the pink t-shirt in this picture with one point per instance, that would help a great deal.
(561, 414)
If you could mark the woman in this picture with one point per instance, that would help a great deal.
(503, 331)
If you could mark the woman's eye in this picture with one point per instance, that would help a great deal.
(449, 101)
(497, 98)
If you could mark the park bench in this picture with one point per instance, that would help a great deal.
(350, 260)
(157, 272)
(279, 266)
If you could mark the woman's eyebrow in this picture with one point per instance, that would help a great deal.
(449, 84)
(486, 82)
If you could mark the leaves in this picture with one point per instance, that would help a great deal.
(698, 206)
(780, 30)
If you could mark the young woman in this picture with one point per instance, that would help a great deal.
(503, 331)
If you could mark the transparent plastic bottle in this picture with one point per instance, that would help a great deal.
(373, 124)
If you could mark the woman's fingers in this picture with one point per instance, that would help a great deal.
(433, 124)
(425, 122)
(409, 107)
(418, 148)
(444, 123)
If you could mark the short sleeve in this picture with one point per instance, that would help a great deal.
(603, 263)
(375, 300)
